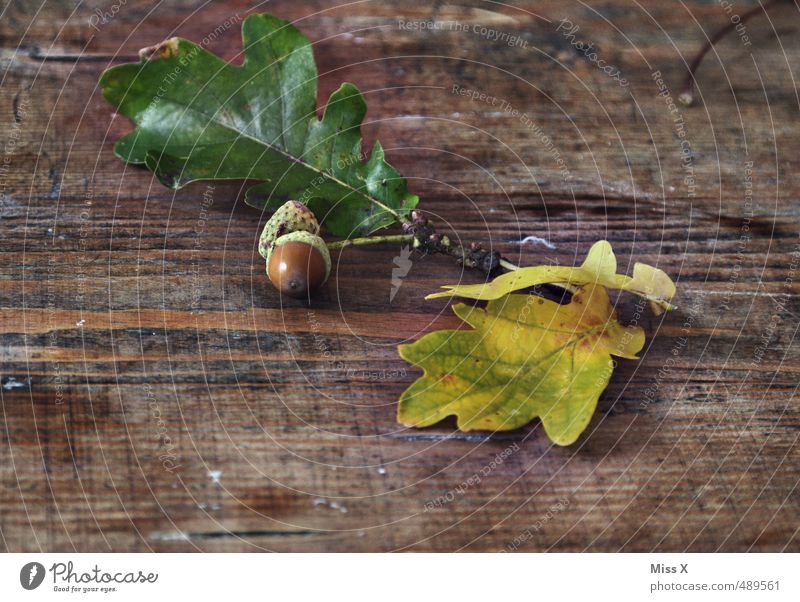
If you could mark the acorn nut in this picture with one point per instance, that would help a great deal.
(299, 263)
(292, 216)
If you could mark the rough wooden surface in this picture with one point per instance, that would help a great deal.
(158, 394)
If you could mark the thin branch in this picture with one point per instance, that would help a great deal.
(687, 96)
(370, 240)
(421, 233)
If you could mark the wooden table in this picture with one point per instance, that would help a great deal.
(157, 394)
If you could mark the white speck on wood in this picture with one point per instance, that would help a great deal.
(13, 383)
(537, 241)
(321, 501)
(171, 536)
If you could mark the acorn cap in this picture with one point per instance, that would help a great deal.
(298, 264)
(292, 216)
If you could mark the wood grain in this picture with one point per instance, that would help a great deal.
(157, 394)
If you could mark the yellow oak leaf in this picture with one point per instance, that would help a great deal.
(525, 357)
(600, 267)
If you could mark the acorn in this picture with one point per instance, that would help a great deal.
(299, 263)
(292, 216)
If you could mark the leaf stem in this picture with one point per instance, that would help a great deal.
(370, 240)
(421, 233)
(508, 266)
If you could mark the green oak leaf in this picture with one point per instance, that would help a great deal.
(200, 118)
(525, 357)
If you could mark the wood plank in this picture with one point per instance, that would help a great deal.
(157, 394)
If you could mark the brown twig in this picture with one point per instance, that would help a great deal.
(428, 241)
(421, 233)
(687, 96)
